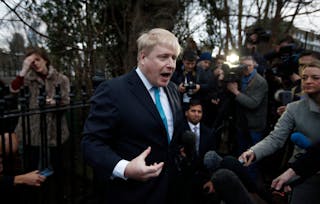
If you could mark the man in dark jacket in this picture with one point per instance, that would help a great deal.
(132, 129)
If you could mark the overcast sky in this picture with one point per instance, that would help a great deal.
(311, 23)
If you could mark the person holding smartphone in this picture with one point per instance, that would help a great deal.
(8, 181)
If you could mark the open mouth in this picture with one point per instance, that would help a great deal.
(165, 74)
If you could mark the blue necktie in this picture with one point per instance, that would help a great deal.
(159, 107)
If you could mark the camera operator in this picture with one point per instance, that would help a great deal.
(251, 100)
(222, 109)
(284, 64)
(251, 106)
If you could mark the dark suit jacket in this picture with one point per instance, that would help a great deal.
(207, 139)
(123, 121)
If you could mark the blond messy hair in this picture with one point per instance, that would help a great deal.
(157, 36)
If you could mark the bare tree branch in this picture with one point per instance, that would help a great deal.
(33, 29)
(301, 14)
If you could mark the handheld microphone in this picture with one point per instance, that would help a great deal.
(188, 140)
(300, 140)
(212, 160)
(233, 164)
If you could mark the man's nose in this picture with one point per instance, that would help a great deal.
(171, 62)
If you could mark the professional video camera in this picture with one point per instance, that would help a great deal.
(258, 35)
(286, 61)
(235, 73)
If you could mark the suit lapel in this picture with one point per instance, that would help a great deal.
(138, 89)
(172, 106)
(202, 140)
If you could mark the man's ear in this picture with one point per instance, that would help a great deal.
(141, 57)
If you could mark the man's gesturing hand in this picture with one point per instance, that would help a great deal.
(138, 170)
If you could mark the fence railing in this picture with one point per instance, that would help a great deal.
(72, 179)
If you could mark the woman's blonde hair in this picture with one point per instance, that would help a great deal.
(313, 63)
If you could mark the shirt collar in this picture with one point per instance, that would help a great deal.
(145, 81)
(192, 125)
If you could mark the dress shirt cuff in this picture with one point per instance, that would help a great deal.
(118, 170)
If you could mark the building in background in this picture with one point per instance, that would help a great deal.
(309, 40)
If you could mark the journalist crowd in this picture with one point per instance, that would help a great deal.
(243, 132)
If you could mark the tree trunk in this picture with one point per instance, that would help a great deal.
(276, 21)
(148, 14)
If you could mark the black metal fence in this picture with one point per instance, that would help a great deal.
(71, 181)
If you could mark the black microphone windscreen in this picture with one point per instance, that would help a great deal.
(233, 164)
(188, 140)
(212, 160)
(188, 137)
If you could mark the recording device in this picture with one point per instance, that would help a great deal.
(188, 140)
(286, 61)
(300, 140)
(235, 73)
(190, 86)
(212, 160)
(46, 172)
(188, 143)
(262, 35)
(283, 96)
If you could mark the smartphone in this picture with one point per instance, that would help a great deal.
(46, 172)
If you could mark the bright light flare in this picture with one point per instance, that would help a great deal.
(233, 58)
